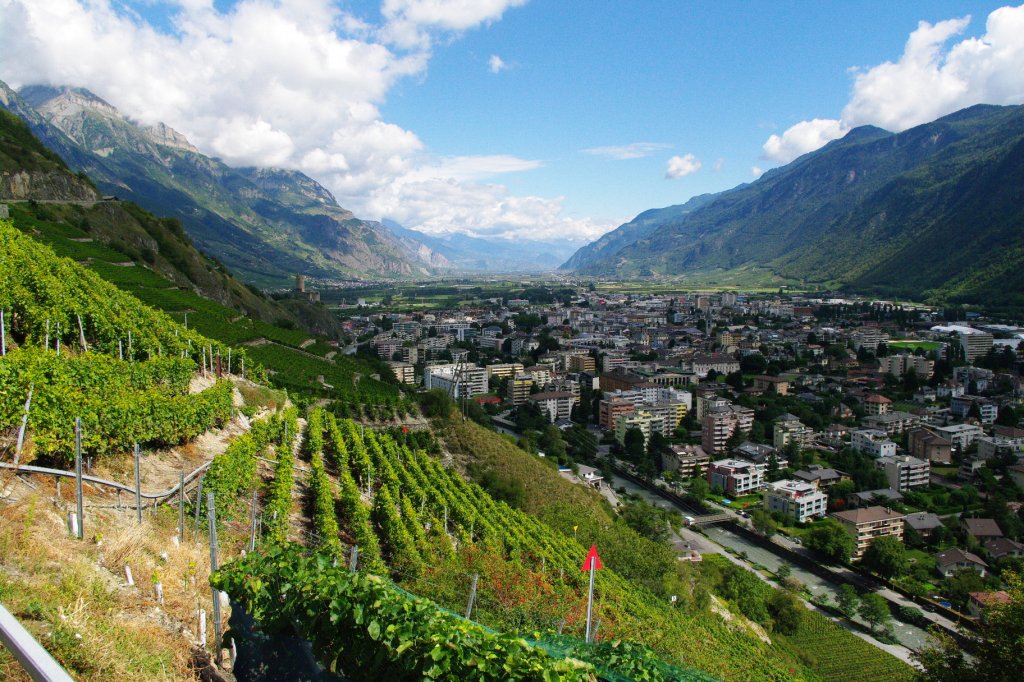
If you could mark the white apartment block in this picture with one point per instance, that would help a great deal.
(868, 523)
(797, 500)
(736, 477)
(872, 442)
(960, 435)
(975, 343)
(470, 381)
(902, 363)
(904, 472)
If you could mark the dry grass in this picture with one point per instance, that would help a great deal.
(72, 595)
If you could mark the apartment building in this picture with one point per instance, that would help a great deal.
(645, 421)
(960, 435)
(929, 445)
(517, 390)
(582, 363)
(688, 461)
(769, 384)
(877, 404)
(902, 363)
(464, 383)
(505, 370)
(403, 371)
(869, 523)
(975, 343)
(797, 500)
(789, 429)
(736, 477)
(610, 409)
(872, 442)
(555, 405)
(960, 406)
(893, 423)
(904, 472)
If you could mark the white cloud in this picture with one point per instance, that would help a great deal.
(801, 138)
(719, 165)
(681, 166)
(622, 152)
(408, 22)
(756, 171)
(294, 84)
(496, 64)
(928, 81)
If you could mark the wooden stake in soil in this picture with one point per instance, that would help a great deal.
(78, 476)
(24, 423)
(211, 515)
(138, 488)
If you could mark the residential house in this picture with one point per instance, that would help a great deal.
(979, 602)
(924, 523)
(981, 529)
(956, 559)
(1000, 548)
(873, 498)
(821, 476)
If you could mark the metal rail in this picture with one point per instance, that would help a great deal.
(102, 481)
(36, 660)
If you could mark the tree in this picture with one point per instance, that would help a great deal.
(748, 592)
(997, 656)
(887, 557)
(831, 539)
(774, 473)
(875, 610)
(785, 611)
(959, 586)
(699, 489)
(646, 519)
(847, 600)
(763, 522)
(634, 444)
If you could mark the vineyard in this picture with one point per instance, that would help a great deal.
(834, 654)
(119, 403)
(428, 530)
(60, 289)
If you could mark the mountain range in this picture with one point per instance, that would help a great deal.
(489, 254)
(265, 224)
(936, 211)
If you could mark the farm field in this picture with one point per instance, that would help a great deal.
(914, 345)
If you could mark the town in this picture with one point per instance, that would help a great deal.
(874, 433)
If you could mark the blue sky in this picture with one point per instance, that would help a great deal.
(551, 119)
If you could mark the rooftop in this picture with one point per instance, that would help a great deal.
(868, 515)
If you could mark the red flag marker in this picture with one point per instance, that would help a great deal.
(592, 557)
